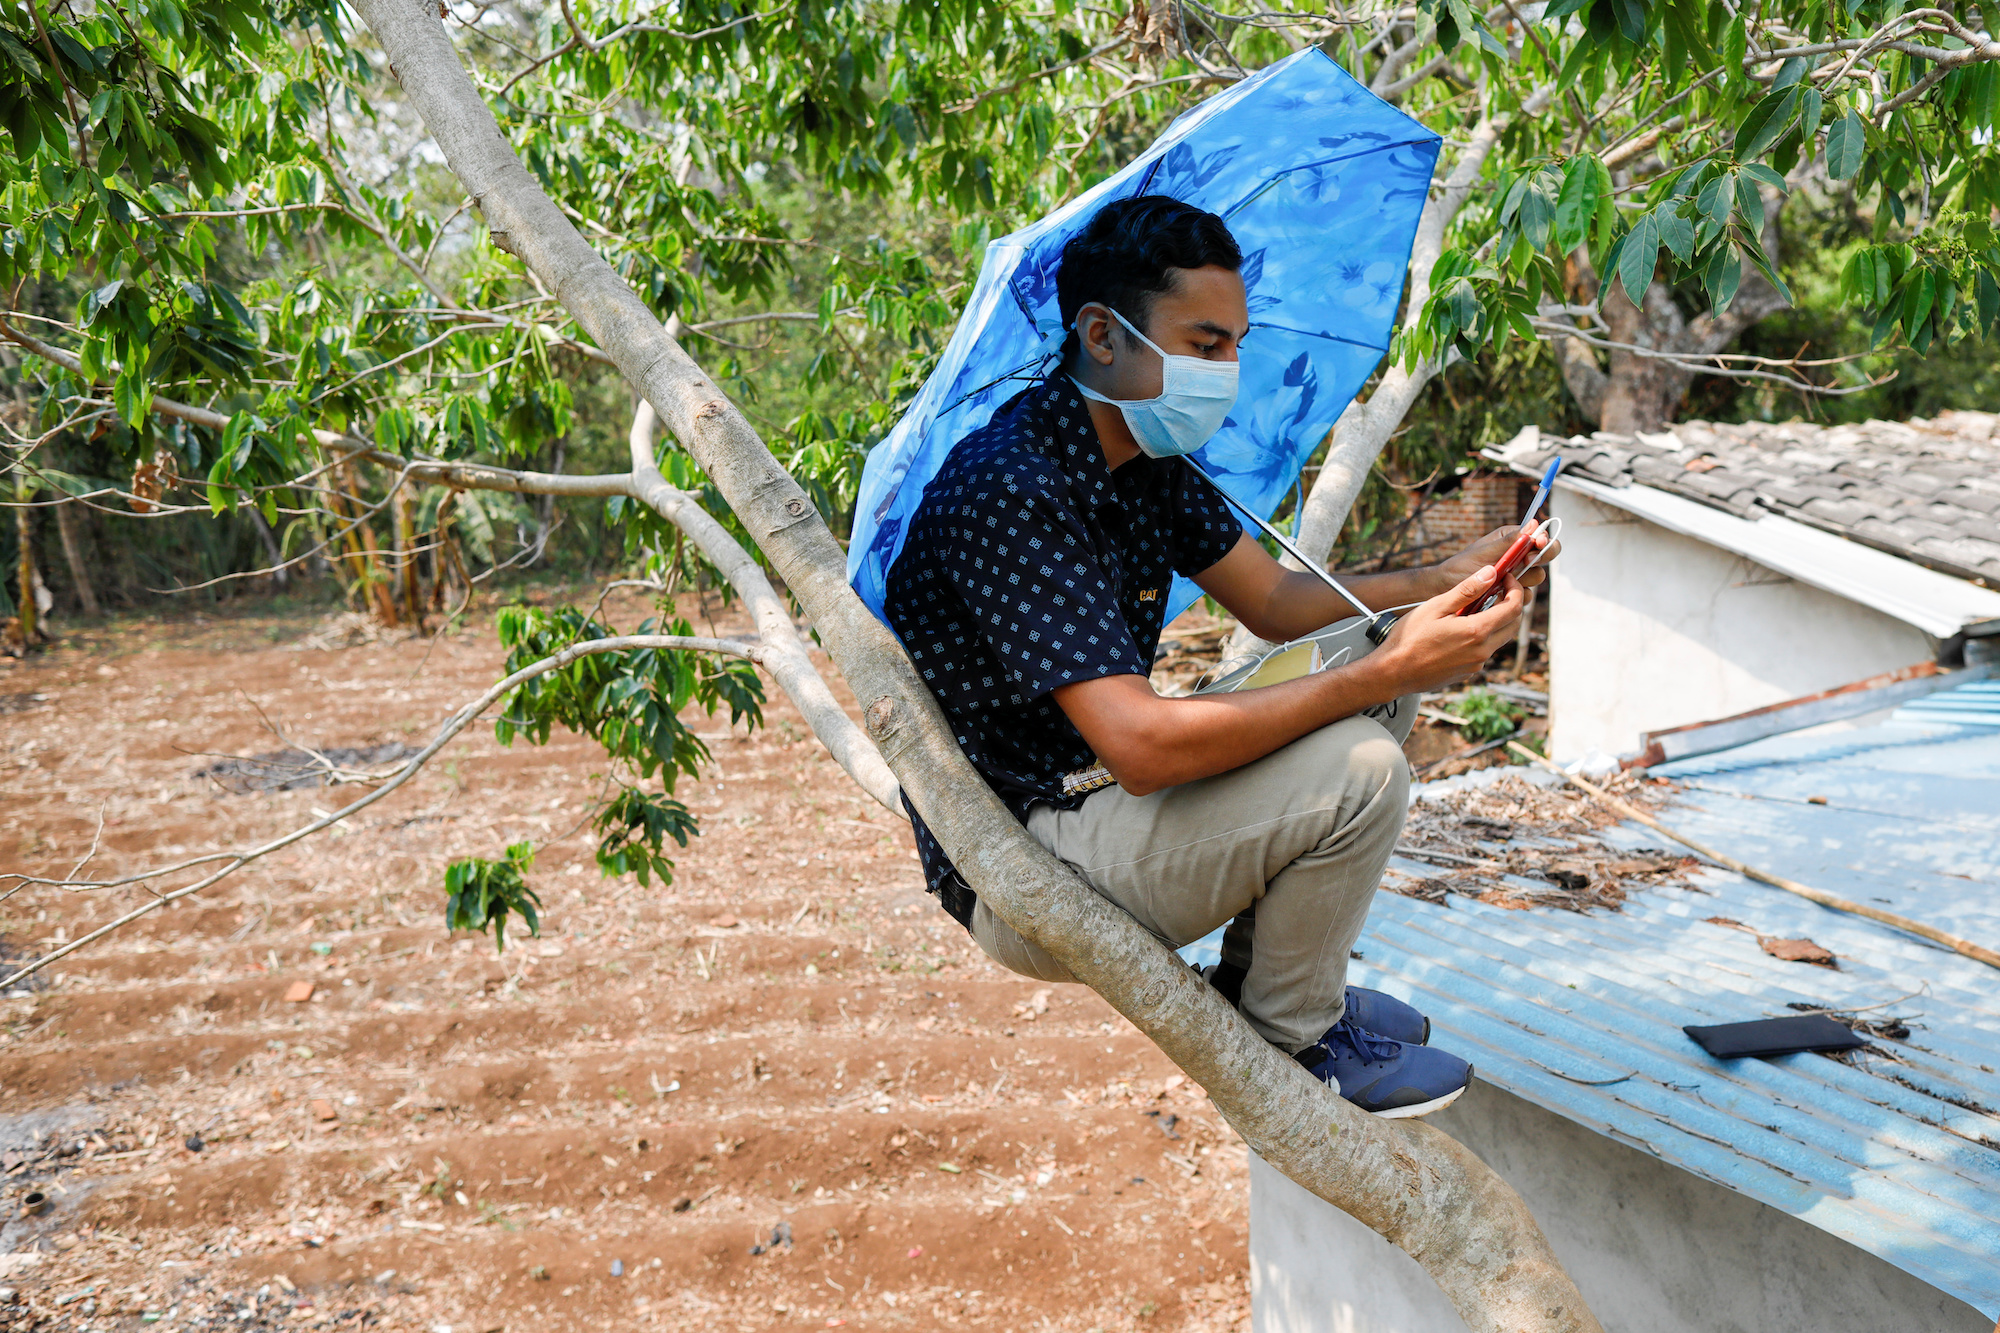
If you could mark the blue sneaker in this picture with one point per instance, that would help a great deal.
(1387, 1016)
(1382, 1014)
(1383, 1077)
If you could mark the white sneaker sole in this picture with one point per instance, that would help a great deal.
(1423, 1108)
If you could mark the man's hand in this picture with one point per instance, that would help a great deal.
(1490, 548)
(1433, 646)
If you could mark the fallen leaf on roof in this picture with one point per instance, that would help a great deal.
(1797, 951)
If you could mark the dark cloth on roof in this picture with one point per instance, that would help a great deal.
(1032, 565)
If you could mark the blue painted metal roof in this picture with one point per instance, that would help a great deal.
(1582, 1014)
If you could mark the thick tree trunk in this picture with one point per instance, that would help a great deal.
(72, 544)
(1410, 1183)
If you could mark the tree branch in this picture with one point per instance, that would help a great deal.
(785, 654)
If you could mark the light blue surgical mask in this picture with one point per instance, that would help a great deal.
(1195, 398)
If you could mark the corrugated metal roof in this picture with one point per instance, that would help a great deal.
(1582, 1014)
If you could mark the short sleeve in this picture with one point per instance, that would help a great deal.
(1204, 527)
(1029, 577)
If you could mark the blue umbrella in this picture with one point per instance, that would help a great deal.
(1321, 183)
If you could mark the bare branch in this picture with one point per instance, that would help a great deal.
(1038, 75)
(1718, 364)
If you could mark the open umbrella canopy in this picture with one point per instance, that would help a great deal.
(1320, 181)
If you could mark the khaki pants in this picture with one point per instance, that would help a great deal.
(1287, 849)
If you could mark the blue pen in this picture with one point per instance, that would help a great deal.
(1542, 491)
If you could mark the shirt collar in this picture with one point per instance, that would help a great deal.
(1077, 450)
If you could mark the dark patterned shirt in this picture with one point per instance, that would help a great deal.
(1031, 565)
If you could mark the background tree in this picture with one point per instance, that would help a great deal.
(251, 290)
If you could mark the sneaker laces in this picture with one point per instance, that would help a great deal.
(1370, 1047)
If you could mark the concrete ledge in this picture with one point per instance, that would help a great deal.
(1654, 1248)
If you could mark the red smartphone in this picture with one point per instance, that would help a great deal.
(1516, 556)
(1519, 552)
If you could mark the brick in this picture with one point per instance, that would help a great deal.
(298, 992)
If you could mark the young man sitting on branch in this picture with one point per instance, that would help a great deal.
(1031, 593)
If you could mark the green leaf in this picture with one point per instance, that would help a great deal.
(1735, 46)
(1576, 206)
(1918, 295)
(132, 396)
(1633, 20)
(1639, 258)
(1767, 120)
(481, 894)
(1676, 232)
(1714, 203)
(1987, 294)
(1723, 276)
(20, 55)
(1749, 204)
(1763, 175)
(1607, 210)
(95, 302)
(1845, 142)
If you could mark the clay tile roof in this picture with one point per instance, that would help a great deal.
(1927, 491)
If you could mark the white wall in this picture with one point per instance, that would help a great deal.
(1651, 629)
(1652, 1248)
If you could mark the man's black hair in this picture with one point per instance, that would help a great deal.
(1127, 255)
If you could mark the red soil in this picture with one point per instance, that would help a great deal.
(791, 1035)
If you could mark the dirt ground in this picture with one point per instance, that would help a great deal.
(785, 1092)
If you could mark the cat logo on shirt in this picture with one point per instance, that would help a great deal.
(1149, 594)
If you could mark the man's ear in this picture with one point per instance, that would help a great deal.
(1093, 332)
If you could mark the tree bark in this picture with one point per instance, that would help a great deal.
(1410, 1183)
(72, 544)
(27, 615)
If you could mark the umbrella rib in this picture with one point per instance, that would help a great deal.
(1308, 333)
(1261, 190)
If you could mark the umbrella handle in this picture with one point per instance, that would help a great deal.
(1379, 622)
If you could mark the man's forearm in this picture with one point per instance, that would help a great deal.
(1149, 743)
